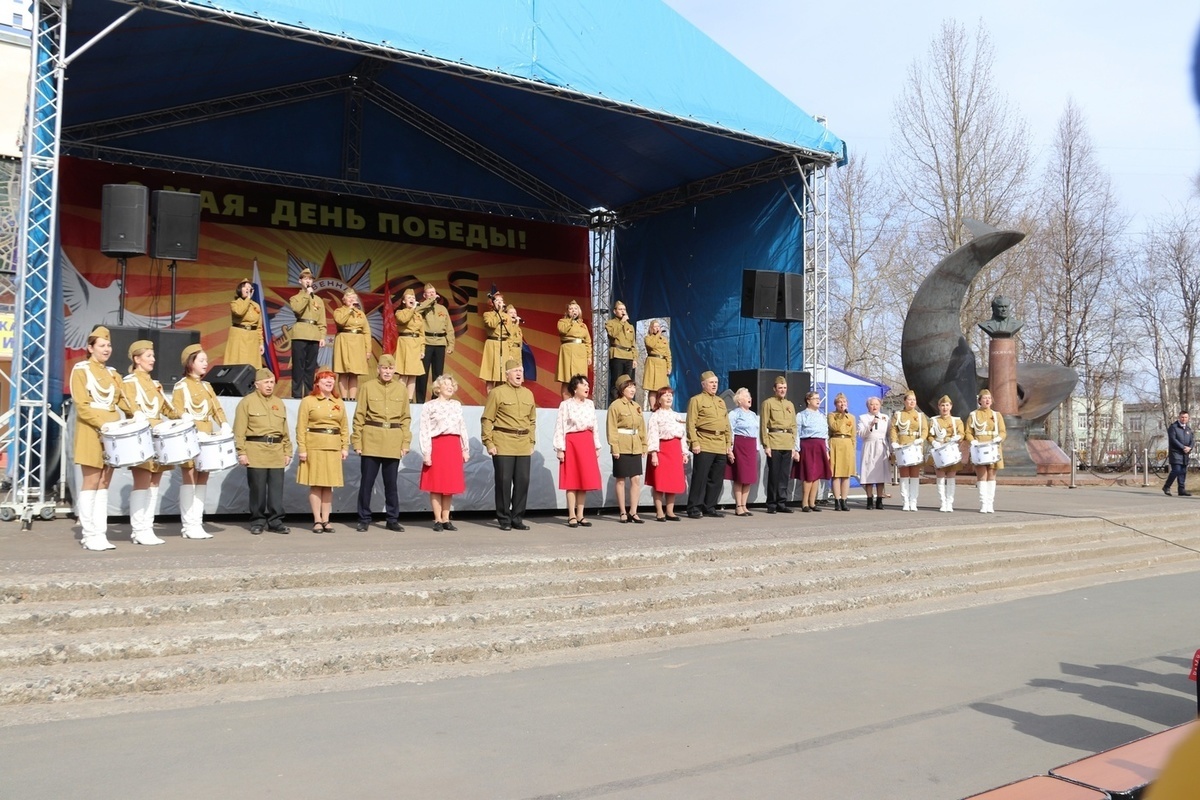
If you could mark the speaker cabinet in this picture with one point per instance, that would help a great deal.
(761, 383)
(175, 226)
(169, 344)
(123, 220)
(791, 298)
(760, 294)
(232, 380)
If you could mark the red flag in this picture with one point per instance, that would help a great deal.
(391, 330)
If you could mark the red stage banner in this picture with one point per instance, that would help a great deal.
(347, 242)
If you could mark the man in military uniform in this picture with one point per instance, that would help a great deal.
(308, 334)
(439, 339)
(509, 433)
(382, 436)
(622, 350)
(712, 445)
(777, 432)
(264, 448)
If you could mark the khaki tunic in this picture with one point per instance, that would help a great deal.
(511, 408)
(657, 372)
(323, 451)
(410, 342)
(96, 402)
(491, 367)
(439, 330)
(257, 415)
(626, 415)
(907, 427)
(352, 343)
(621, 343)
(778, 416)
(708, 424)
(311, 323)
(382, 420)
(573, 356)
(146, 395)
(984, 426)
(195, 399)
(245, 342)
(514, 344)
(842, 455)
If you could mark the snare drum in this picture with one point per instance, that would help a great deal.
(909, 455)
(985, 453)
(126, 443)
(175, 442)
(217, 452)
(946, 455)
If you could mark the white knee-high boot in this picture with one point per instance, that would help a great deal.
(914, 491)
(904, 494)
(141, 518)
(951, 483)
(991, 497)
(87, 525)
(983, 487)
(941, 484)
(193, 522)
(97, 536)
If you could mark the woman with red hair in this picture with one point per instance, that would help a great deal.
(322, 444)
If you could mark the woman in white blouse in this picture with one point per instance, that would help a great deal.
(666, 442)
(577, 445)
(442, 434)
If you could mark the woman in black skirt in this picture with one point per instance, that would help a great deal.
(627, 441)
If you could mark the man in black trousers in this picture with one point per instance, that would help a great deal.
(711, 438)
(1179, 449)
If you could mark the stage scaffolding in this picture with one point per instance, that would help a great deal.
(603, 224)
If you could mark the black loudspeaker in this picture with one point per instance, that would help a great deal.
(169, 344)
(761, 383)
(123, 220)
(791, 298)
(760, 294)
(232, 380)
(175, 225)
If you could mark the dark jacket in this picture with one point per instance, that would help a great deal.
(1178, 437)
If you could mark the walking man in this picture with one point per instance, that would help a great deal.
(1179, 449)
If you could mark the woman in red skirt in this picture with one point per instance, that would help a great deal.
(442, 433)
(577, 445)
(666, 436)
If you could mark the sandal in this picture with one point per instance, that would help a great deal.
(624, 519)
(636, 518)
(572, 523)
(317, 528)
(328, 528)
(583, 523)
(660, 519)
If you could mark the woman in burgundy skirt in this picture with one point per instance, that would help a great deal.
(743, 469)
(577, 445)
(442, 433)
(666, 442)
(812, 430)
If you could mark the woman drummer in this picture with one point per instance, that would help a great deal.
(986, 425)
(195, 399)
(146, 395)
(909, 426)
(946, 430)
(97, 396)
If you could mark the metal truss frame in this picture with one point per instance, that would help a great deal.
(812, 209)
(604, 249)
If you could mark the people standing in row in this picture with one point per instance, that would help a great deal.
(445, 448)
(946, 430)
(986, 425)
(146, 396)
(382, 435)
(322, 444)
(909, 427)
(812, 443)
(439, 339)
(874, 469)
(627, 442)
(495, 328)
(574, 348)
(352, 345)
(712, 447)
(577, 445)
(264, 448)
(1180, 441)
(195, 399)
(841, 450)
(96, 393)
(308, 334)
(410, 343)
(622, 348)
(246, 343)
(742, 470)
(777, 431)
(508, 429)
(667, 448)
(656, 375)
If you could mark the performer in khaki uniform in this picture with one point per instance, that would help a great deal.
(382, 435)
(712, 445)
(439, 338)
(946, 430)
(627, 442)
(322, 444)
(622, 349)
(145, 395)
(514, 345)
(195, 400)
(410, 343)
(986, 425)
(909, 426)
(308, 334)
(657, 373)
(495, 326)
(245, 343)
(96, 393)
(264, 448)
(352, 345)
(842, 453)
(575, 347)
(509, 433)
(777, 432)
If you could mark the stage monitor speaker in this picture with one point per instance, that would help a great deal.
(175, 225)
(761, 383)
(169, 344)
(791, 298)
(760, 294)
(232, 380)
(123, 220)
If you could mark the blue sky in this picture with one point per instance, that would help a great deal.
(1127, 66)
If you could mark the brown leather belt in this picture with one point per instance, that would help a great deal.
(495, 339)
(265, 439)
(353, 330)
(244, 326)
(781, 430)
(521, 432)
(713, 433)
(375, 424)
(572, 341)
(325, 430)
(619, 347)
(309, 321)
(839, 436)
(652, 355)
(413, 335)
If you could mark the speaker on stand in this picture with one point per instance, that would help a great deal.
(174, 231)
(122, 228)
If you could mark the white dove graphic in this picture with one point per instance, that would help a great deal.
(89, 305)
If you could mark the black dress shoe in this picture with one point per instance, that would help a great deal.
(280, 529)
(505, 527)
(395, 526)
(770, 509)
(1167, 491)
(448, 526)
(785, 510)
(362, 526)
(521, 526)
(1185, 494)
(672, 518)
(256, 529)
(714, 513)
(695, 514)
(437, 527)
